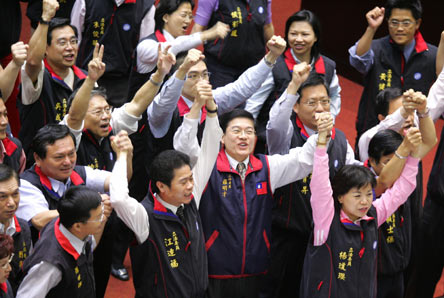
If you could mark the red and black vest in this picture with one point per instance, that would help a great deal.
(173, 259)
(77, 270)
(345, 265)
(291, 205)
(116, 27)
(282, 73)
(22, 247)
(94, 155)
(51, 106)
(6, 290)
(391, 70)
(245, 45)
(13, 148)
(236, 218)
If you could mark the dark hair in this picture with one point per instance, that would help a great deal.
(76, 204)
(6, 246)
(48, 135)
(312, 19)
(167, 7)
(384, 98)
(6, 173)
(314, 79)
(1, 96)
(226, 118)
(413, 5)
(350, 176)
(383, 143)
(59, 23)
(163, 166)
(180, 58)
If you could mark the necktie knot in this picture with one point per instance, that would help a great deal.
(241, 169)
(180, 214)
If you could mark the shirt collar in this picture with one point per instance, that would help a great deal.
(58, 186)
(299, 61)
(119, 2)
(234, 163)
(10, 230)
(356, 222)
(167, 35)
(166, 205)
(408, 49)
(310, 131)
(78, 244)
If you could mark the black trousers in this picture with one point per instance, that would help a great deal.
(391, 286)
(287, 261)
(431, 252)
(244, 287)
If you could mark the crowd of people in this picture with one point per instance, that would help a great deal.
(222, 171)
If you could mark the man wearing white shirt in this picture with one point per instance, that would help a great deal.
(166, 223)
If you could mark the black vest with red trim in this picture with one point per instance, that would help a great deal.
(22, 247)
(51, 106)
(6, 290)
(345, 265)
(245, 45)
(236, 217)
(13, 148)
(291, 205)
(282, 73)
(390, 70)
(94, 155)
(77, 270)
(398, 233)
(176, 263)
(157, 145)
(116, 27)
(35, 176)
(435, 185)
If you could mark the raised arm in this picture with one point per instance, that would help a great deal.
(131, 212)
(279, 127)
(145, 95)
(321, 200)
(374, 19)
(121, 142)
(230, 96)
(37, 44)
(417, 101)
(161, 110)
(8, 75)
(79, 106)
(394, 197)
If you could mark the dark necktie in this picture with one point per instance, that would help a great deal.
(180, 214)
(241, 169)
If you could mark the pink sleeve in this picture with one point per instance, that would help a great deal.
(395, 196)
(322, 203)
(204, 11)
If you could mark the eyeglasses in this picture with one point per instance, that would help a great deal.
(5, 266)
(314, 103)
(186, 15)
(195, 75)
(63, 42)
(100, 112)
(404, 24)
(101, 216)
(247, 131)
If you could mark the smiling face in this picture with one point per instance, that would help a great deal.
(178, 22)
(9, 200)
(239, 138)
(98, 117)
(181, 187)
(357, 202)
(62, 52)
(60, 159)
(3, 120)
(301, 39)
(402, 34)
